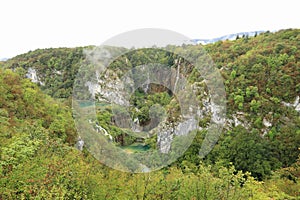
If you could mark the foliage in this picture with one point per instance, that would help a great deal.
(250, 160)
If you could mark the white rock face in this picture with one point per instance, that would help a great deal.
(237, 119)
(183, 128)
(213, 109)
(297, 108)
(296, 102)
(111, 89)
(166, 133)
(267, 123)
(216, 113)
(57, 72)
(32, 75)
(93, 87)
(295, 105)
(164, 139)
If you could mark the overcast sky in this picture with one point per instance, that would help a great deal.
(31, 24)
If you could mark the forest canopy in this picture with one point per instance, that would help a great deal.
(256, 157)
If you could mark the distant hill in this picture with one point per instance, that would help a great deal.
(4, 59)
(227, 37)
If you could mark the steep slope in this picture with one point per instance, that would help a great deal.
(37, 163)
(261, 136)
(53, 69)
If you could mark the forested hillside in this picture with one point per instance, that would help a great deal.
(256, 157)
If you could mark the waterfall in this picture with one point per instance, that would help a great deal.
(100, 128)
(136, 125)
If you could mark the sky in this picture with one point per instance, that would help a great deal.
(32, 24)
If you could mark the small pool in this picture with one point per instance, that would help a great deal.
(84, 104)
(136, 147)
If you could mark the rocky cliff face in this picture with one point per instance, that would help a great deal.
(33, 76)
(113, 88)
(109, 87)
(166, 132)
